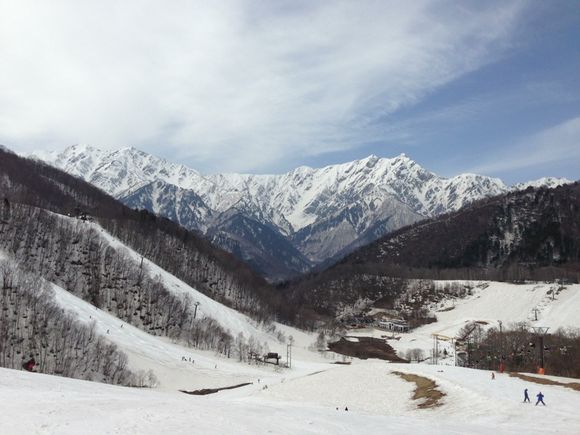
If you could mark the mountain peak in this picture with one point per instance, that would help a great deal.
(548, 182)
(131, 150)
(80, 148)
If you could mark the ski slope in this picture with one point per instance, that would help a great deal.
(228, 318)
(201, 369)
(378, 402)
(490, 303)
(177, 366)
(309, 398)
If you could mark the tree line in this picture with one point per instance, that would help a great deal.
(71, 253)
(32, 325)
(520, 349)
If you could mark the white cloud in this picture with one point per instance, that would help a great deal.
(230, 85)
(557, 144)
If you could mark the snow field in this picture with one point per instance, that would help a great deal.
(303, 399)
(378, 401)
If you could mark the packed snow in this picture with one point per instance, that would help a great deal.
(378, 402)
(312, 396)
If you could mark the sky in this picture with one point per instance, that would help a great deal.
(264, 86)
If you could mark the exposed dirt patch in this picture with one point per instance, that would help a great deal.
(366, 347)
(543, 381)
(206, 391)
(426, 390)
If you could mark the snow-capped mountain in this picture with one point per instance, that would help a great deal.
(549, 182)
(321, 212)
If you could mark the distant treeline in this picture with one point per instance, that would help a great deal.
(521, 350)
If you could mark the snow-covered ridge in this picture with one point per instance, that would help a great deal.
(549, 182)
(321, 211)
(295, 196)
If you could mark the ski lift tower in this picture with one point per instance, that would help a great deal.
(435, 351)
(289, 355)
(540, 332)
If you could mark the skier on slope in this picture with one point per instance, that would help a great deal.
(540, 397)
(526, 397)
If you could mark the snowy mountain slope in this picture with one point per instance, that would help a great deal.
(186, 254)
(229, 318)
(473, 404)
(236, 230)
(323, 212)
(186, 207)
(115, 172)
(525, 230)
(200, 369)
(548, 182)
(261, 246)
(351, 227)
(306, 195)
(157, 353)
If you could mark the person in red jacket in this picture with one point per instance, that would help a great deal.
(29, 365)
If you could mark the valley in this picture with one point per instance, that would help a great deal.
(289, 217)
(314, 355)
(310, 397)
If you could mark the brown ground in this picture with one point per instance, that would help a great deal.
(426, 390)
(366, 347)
(543, 381)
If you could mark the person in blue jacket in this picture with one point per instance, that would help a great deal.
(526, 397)
(540, 397)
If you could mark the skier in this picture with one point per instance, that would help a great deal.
(492, 376)
(526, 397)
(29, 365)
(346, 408)
(540, 397)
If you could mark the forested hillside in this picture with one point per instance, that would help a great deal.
(531, 234)
(183, 253)
(33, 326)
(60, 230)
(521, 235)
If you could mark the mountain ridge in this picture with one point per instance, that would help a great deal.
(382, 195)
